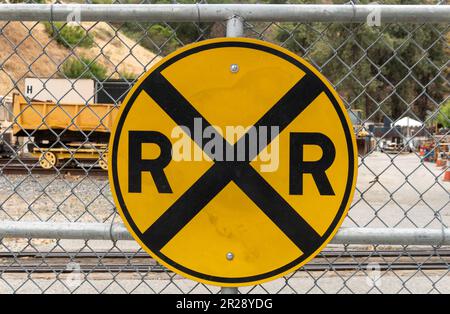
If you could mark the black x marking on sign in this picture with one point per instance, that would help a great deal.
(241, 173)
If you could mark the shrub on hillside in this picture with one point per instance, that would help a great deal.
(83, 68)
(69, 36)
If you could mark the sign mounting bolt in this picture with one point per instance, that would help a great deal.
(230, 256)
(234, 68)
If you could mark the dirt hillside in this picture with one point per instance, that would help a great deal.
(27, 50)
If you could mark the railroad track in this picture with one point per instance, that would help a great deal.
(31, 166)
(323, 254)
(129, 262)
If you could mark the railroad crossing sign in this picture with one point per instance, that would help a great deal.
(233, 161)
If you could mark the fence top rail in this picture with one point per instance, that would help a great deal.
(348, 13)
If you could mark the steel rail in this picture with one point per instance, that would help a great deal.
(133, 268)
(135, 255)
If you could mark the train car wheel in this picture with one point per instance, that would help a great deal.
(103, 162)
(48, 160)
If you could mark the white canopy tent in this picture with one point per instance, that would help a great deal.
(408, 122)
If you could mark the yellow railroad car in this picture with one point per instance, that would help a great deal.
(64, 131)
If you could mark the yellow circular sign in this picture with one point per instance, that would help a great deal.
(233, 161)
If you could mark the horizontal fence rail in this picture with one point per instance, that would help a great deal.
(116, 232)
(350, 13)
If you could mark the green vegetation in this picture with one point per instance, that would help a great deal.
(162, 38)
(83, 68)
(383, 70)
(69, 36)
(443, 117)
(102, 1)
(26, 1)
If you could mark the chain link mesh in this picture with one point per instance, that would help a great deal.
(384, 72)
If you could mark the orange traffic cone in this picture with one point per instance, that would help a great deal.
(447, 172)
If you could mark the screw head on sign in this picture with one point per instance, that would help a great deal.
(234, 68)
(230, 256)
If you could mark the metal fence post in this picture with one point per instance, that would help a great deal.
(229, 290)
(235, 27)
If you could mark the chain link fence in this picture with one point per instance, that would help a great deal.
(59, 230)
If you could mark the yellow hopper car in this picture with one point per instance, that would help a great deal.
(64, 131)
